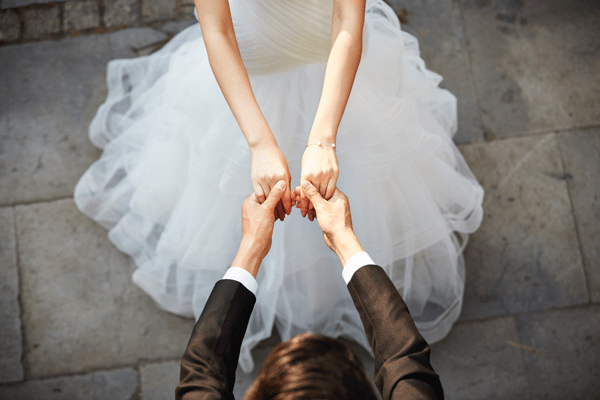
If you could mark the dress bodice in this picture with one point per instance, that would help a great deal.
(279, 35)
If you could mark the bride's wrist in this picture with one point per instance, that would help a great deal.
(259, 135)
(323, 135)
(261, 146)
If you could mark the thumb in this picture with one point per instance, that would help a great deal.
(275, 194)
(311, 192)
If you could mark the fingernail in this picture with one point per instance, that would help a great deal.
(306, 184)
(281, 185)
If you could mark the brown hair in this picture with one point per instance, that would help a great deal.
(311, 366)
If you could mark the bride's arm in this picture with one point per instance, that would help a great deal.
(319, 163)
(230, 72)
(269, 165)
(344, 57)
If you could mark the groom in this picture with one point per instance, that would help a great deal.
(324, 370)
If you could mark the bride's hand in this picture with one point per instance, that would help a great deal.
(269, 166)
(319, 167)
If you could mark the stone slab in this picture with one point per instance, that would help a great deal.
(10, 27)
(159, 10)
(121, 13)
(80, 15)
(41, 23)
(562, 353)
(438, 27)
(49, 93)
(535, 63)
(10, 312)
(81, 310)
(525, 256)
(23, 3)
(118, 384)
(159, 380)
(476, 361)
(580, 151)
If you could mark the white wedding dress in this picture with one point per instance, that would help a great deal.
(176, 168)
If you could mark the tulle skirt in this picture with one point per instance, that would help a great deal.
(176, 168)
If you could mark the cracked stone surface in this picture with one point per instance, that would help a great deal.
(10, 27)
(40, 23)
(11, 350)
(562, 353)
(160, 380)
(535, 63)
(438, 27)
(525, 256)
(80, 307)
(155, 10)
(49, 93)
(118, 384)
(580, 150)
(477, 361)
(22, 3)
(79, 15)
(119, 13)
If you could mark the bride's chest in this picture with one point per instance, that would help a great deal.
(288, 17)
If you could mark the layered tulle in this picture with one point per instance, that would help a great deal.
(176, 168)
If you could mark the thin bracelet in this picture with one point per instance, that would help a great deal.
(319, 144)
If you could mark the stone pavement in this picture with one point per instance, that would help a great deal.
(33, 20)
(527, 78)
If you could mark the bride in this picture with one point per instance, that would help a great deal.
(261, 90)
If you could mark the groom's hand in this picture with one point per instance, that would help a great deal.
(335, 220)
(258, 221)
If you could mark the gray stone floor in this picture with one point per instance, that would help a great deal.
(527, 78)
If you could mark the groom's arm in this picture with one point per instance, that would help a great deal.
(402, 367)
(210, 360)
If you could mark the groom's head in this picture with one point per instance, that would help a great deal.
(311, 366)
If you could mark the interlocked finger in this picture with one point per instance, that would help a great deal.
(322, 188)
(304, 204)
(260, 193)
(280, 210)
(330, 189)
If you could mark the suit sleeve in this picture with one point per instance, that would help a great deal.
(402, 368)
(210, 360)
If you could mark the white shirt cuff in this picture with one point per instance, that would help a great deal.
(355, 263)
(242, 276)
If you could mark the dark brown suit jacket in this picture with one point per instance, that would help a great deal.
(402, 368)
